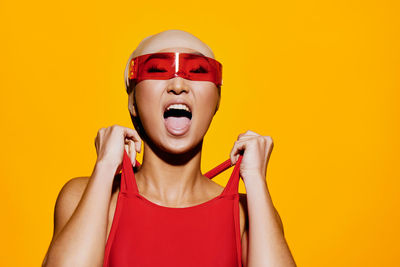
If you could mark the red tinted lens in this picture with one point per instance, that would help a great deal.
(159, 66)
(199, 68)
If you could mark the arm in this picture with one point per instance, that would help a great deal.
(263, 242)
(81, 216)
(266, 241)
(245, 226)
(80, 220)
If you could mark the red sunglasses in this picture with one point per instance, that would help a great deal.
(164, 66)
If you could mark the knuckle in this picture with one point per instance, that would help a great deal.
(115, 127)
(136, 133)
(256, 141)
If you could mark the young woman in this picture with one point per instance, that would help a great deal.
(165, 212)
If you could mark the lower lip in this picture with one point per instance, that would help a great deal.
(172, 129)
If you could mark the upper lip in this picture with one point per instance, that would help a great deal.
(177, 101)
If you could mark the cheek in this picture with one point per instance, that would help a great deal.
(209, 99)
(147, 90)
(207, 102)
(148, 99)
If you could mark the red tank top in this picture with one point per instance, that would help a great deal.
(146, 234)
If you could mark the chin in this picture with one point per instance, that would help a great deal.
(179, 145)
(167, 141)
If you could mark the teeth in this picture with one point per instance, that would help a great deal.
(178, 106)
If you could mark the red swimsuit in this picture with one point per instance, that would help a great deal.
(146, 234)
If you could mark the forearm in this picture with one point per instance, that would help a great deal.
(267, 244)
(82, 240)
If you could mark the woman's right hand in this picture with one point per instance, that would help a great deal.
(110, 143)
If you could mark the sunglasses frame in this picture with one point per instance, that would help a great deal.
(137, 72)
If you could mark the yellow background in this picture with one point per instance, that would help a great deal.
(320, 77)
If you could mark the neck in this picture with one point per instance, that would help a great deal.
(169, 178)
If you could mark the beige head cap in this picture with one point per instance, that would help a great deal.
(168, 41)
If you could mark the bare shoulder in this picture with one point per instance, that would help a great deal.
(74, 186)
(67, 201)
(72, 191)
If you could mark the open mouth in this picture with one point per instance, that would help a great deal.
(177, 118)
(177, 113)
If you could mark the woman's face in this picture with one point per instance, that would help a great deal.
(176, 134)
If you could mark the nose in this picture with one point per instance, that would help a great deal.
(177, 85)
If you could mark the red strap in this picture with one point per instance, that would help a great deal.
(128, 184)
(220, 168)
(233, 184)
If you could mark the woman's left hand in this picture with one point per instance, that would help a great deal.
(257, 150)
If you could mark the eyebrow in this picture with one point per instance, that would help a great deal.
(162, 55)
(157, 55)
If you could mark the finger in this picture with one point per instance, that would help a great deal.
(252, 133)
(247, 134)
(240, 147)
(126, 146)
(269, 140)
(132, 149)
(235, 152)
(231, 155)
(128, 141)
(132, 154)
(133, 134)
(137, 145)
(270, 143)
(246, 137)
(95, 145)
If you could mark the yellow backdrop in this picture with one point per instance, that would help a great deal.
(320, 77)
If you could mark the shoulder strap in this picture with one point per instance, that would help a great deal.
(128, 181)
(233, 184)
(218, 169)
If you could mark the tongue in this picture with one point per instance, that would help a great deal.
(177, 123)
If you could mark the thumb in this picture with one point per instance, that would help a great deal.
(132, 152)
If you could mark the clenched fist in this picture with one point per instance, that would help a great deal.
(110, 143)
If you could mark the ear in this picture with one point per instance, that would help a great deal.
(131, 104)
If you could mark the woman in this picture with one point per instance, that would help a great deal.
(171, 114)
